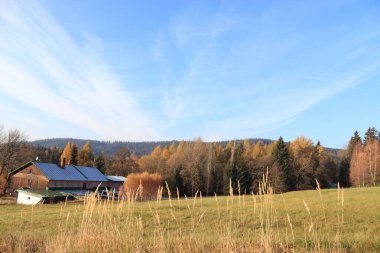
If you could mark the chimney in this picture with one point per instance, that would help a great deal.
(63, 162)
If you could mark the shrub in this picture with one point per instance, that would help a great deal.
(143, 185)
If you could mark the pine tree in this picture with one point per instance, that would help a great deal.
(351, 145)
(100, 163)
(178, 181)
(282, 169)
(277, 178)
(74, 155)
(54, 155)
(344, 172)
(244, 179)
(320, 148)
(244, 176)
(371, 135)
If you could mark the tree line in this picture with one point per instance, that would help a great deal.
(210, 168)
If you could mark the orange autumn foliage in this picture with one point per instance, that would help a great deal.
(144, 184)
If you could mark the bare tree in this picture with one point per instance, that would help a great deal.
(10, 144)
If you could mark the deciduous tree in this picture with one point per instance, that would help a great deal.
(86, 156)
(10, 144)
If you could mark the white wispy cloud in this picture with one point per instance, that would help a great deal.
(253, 74)
(43, 66)
(213, 72)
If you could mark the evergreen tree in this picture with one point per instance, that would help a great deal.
(54, 155)
(178, 181)
(371, 135)
(74, 155)
(245, 179)
(344, 172)
(320, 148)
(100, 163)
(243, 175)
(283, 174)
(351, 145)
(277, 179)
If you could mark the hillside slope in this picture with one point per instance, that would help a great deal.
(110, 148)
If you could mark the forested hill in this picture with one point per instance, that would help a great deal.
(110, 148)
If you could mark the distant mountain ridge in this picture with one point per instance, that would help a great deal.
(111, 147)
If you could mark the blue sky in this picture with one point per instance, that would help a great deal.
(162, 70)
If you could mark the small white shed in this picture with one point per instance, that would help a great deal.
(26, 197)
(34, 197)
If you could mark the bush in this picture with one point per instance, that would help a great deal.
(144, 185)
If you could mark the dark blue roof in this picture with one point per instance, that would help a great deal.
(70, 172)
(92, 174)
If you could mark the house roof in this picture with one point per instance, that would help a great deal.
(92, 174)
(116, 178)
(68, 173)
(54, 172)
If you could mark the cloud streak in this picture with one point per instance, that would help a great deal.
(42, 66)
(219, 72)
(262, 71)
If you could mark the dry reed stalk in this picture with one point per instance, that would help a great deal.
(169, 193)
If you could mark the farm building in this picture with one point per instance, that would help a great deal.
(33, 197)
(42, 176)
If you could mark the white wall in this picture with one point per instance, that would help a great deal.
(26, 199)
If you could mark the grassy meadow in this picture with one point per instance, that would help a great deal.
(308, 221)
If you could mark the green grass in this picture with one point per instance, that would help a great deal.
(296, 221)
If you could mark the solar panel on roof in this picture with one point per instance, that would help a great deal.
(54, 172)
(92, 174)
(70, 172)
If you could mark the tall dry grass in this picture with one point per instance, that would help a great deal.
(239, 223)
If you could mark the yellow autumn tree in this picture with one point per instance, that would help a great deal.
(165, 153)
(180, 147)
(66, 154)
(156, 152)
(86, 155)
(258, 150)
(172, 148)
